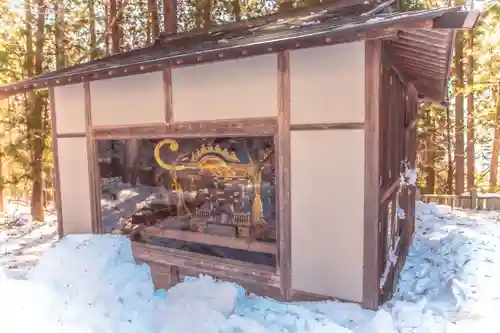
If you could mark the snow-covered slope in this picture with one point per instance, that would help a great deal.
(90, 283)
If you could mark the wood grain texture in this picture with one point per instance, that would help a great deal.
(371, 274)
(93, 168)
(326, 126)
(55, 158)
(167, 86)
(237, 127)
(284, 176)
(219, 267)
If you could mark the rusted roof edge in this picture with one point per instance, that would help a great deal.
(374, 22)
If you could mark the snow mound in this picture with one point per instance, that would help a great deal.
(90, 283)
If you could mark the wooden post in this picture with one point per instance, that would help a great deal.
(417, 194)
(283, 175)
(372, 251)
(473, 199)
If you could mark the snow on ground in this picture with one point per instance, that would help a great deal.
(23, 240)
(87, 283)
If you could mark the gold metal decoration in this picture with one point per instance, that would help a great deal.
(224, 166)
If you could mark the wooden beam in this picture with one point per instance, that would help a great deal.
(267, 126)
(397, 48)
(205, 264)
(413, 56)
(167, 86)
(55, 161)
(202, 238)
(387, 193)
(326, 126)
(70, 135)
(463, 19)
(391, 65)
(284, 176)
(95, 189)
(371, 274)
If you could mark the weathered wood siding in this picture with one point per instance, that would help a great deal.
(75, 185)
(398, 113)
(235, 89)
(327, 171)
(130, 100)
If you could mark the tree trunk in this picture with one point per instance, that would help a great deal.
(449, 177)
(237, 10)
(2, 186)
(198, 18)
(115, 34)
(207, 14)
(93, 39)
(170, 16)
(37, 122)
(59, 34)
(496, 143)
(28, 64)
(153, 23)
(471, 156)
(430, 155)
(107, 21)
(285, 5)
(120, 4)
(459, 114)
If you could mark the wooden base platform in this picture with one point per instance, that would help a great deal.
(170, 266)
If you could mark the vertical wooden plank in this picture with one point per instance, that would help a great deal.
(55, 158)
(284, 177)
(474, 202)
(167, 86)
(371, 273)
(95, 189)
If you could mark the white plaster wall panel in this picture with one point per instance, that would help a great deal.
(129, 100)
(327, 84)
(70, 108)
(233, 89)
(75, 185)
(327, 212)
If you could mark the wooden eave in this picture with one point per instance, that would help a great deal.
(420, 44)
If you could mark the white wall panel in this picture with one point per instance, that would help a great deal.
(129, 100)
(70, 108)
(327, 182)
(234, 89)
(327, 84)
(75, 185)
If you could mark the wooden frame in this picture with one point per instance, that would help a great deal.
(260, 127)
(264, 279)
(389, 138)
(398, 104)
(170, 261)
(284, 180)
(55, 158)
(373, 59)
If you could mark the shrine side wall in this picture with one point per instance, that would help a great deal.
(327, 170)
(72, 177)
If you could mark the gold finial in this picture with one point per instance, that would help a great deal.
(203, 150)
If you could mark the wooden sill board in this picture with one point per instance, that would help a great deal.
(197, 237)
(217, 267)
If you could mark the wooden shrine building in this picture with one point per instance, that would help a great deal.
(267, 152)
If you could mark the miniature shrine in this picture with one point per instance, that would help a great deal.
(271, 152)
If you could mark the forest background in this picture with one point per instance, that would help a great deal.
(459, 144)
